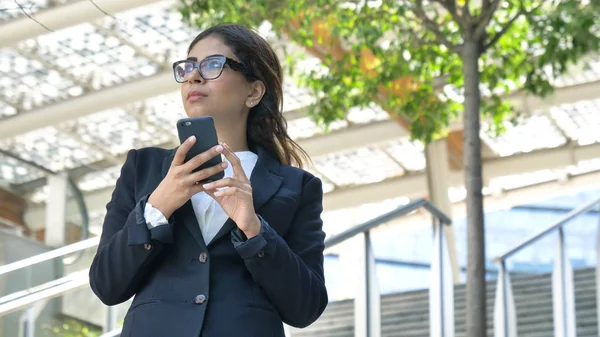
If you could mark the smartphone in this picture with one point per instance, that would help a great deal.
(206, 137)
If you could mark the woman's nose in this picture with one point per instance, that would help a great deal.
(195, 76)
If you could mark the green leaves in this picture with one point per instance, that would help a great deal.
(568, 31)
(68, 327)
(397, 55)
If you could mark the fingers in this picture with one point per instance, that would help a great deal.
(201, 158)
(227, 182)
(230, 183)
(206, 173)
(231, 191)
(236, 163)
(182, 151)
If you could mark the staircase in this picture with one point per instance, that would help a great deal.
(407, 314)
(404, 314)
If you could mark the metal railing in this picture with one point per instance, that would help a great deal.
(563, 292)
(50, 255)
(367, 308)
(33, 298)
(32, 293)
(367, 314)
(49, 290)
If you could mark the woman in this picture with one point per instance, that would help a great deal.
(235, 257)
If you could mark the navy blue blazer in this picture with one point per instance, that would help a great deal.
(228, 288)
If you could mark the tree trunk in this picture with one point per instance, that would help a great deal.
(476, 307)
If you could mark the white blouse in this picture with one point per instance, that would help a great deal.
(211, 217)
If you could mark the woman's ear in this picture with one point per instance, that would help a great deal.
(257, 91)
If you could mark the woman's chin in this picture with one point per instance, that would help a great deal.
(198, 113)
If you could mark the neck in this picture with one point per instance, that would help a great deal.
(234, 136)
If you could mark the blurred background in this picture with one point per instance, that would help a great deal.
(374, 92)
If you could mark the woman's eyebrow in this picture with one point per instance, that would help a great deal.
(191, 58)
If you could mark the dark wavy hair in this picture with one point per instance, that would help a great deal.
(266, 125)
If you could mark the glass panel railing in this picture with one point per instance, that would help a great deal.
(530, 272)
(357, 275)
(76, 313)
(557, 297)
(366, 272)
(37, 273)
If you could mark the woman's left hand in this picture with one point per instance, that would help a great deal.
(236, 197)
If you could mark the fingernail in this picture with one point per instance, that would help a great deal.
(192, 138)
(219, 148)
(206, 186)
(224, 165)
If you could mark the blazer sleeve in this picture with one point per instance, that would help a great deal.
(290, 271)
(127, 247)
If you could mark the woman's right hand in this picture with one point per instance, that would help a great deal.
(179, 185)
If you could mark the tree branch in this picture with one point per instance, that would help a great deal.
(501, 33)
(507, 26)
(102, 10)
(450, 6)
(485, 5)
(485, 18)
(433, 27)
(467, 11)
(417, 38)
(30, 16)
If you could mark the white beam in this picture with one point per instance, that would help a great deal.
(562, 95)
(412, 186)
(96, 101)
(352, 137)
(536, 193)
(62, 16)
(437, 173)
(355, 136)
(163, 83)
(56, 210)
(415, 185)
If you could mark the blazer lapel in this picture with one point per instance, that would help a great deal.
(185, 212)
(265, 181)
(166, 165)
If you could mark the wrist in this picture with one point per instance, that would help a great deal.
(157, 204)
(254, 228)
(166, 214)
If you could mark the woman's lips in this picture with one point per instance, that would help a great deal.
(196, 96)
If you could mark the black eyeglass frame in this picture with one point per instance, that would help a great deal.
(233, 64)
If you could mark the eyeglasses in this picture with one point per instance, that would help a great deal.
(210, 68)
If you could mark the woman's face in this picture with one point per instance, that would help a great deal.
(226, 98)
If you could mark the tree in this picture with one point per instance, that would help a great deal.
(427, 62)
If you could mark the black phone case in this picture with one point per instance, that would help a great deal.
(206, 137)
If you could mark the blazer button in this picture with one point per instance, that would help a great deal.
(261, 254)
(200, 299)
(203, 257)
(147, 246)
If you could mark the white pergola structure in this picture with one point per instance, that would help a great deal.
(82, 82)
